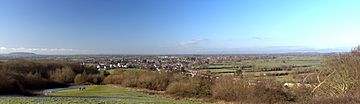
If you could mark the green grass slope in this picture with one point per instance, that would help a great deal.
(97, 94)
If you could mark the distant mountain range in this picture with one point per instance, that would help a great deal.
(22, 54)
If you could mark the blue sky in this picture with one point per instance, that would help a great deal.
(178, 26)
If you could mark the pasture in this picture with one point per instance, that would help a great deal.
(284, 69)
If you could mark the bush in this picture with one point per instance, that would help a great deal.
(339, 75)
(345, 99)
(234, 89)
(270, 91)
(131, 78)
(154, 80)
(113, 79)
(228, 89)
(190, 87)
(87, 79)
(96, 78)
(299, 93)
(183, 88)
(80, 79)
(140, 78)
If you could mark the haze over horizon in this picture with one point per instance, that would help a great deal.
(178, 26)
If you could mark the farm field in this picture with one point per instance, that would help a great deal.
(313, 63)
(97, 94)
(220, 70)
(283, 69)
(265, 64)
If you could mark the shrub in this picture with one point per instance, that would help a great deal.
(345, 99)
(87, 78)
(96, 78)
(339, 75)
(190, 87)
(113, 79)
(270, 91)
(80, 79)
(143, 79)
(204, 87)
(234, 89)
(228, 89)
(131, 78)
(183, 88)
(300, 93)
(154, 80)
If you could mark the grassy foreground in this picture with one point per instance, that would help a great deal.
(101, 94)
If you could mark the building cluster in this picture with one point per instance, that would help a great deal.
(158, 63)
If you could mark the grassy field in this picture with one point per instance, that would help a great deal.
(268, 72)
(112, 71)
(60, 100)
(100, 94)
(313, 63)
(305, 65)
(268, 64)
(220, 70)
(219, 66)
(228, 67)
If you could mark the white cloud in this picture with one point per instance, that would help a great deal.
(2, 48)
(192, 42)
(39, 50)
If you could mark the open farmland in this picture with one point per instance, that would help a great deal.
(282, 68)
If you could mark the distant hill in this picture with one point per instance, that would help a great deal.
(22, 54)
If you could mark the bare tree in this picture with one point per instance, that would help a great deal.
(339, 74)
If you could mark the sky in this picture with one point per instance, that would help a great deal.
(178, 26)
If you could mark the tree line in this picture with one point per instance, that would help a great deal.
(21, 76)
